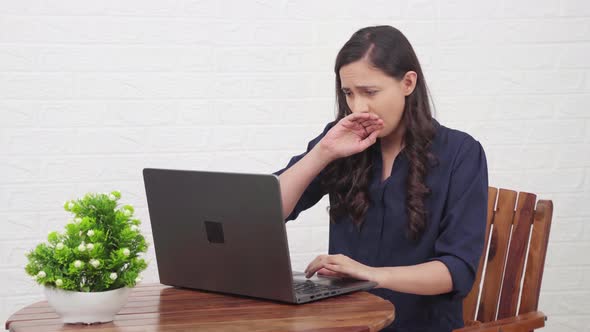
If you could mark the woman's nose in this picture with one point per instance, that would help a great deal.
(360, 106)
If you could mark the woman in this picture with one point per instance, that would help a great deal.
(408, 196)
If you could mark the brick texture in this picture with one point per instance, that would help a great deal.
(92, 92)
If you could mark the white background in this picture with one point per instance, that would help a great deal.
(93, 91)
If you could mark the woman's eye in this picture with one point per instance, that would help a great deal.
(371, 93)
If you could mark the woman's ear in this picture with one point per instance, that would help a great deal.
(409, 82)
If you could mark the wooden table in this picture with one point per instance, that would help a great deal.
(155, 307)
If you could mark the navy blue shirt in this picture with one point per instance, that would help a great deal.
(454, 234)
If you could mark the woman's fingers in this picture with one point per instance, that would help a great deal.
(338, 265)
(351, 135)
(373, 127)
(325, 272)
(371, 139)
(329, 273)
(328, 264)
(352, 125)
(370, 122)
(363, 129)
(334, 267)
(315, 265)
(309, 272)
(360, 116)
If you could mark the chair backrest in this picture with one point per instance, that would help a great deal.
(516, 227)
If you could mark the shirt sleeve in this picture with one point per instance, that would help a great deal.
(462, 229)
(314, 191)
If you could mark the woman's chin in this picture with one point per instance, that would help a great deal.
(383, 134)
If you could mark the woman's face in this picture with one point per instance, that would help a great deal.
(368, 89)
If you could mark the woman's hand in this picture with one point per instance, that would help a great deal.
(352, 134)
(339, 266)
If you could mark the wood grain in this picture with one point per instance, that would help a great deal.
(155, 307)
(513, 231)
(497, 256)
(531, 287)
(524, 322)
(470, 302)
(516, 255)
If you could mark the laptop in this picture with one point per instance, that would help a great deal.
(224, 232)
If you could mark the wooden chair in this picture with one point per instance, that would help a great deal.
(516, 227)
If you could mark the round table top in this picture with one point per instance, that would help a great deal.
(155, 307)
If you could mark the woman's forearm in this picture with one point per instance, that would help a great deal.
(295, 180)
(430, 278)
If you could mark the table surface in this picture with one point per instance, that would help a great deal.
(155, 307)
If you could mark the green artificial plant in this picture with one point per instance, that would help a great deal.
(99, 250)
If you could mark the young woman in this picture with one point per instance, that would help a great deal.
(408, 196)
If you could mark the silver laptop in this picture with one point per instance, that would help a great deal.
(224, 232)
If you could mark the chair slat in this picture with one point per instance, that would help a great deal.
(470, 302)
(519, 242)
(531, 287)
(502, 222)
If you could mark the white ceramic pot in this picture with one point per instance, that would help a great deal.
(87, 308)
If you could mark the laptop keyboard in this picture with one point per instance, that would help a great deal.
(309, 287)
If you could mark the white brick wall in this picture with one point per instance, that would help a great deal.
(93, 91)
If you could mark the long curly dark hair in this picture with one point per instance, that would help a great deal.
(347, 179)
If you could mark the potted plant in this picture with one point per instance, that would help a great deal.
(88, 270)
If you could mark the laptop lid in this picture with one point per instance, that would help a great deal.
(220, 232)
